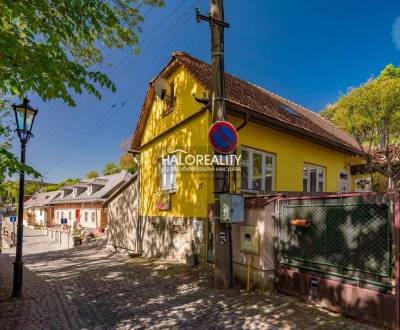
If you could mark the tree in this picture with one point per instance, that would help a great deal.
(128, 163)
(371, 114)
(92, 175)
(57, 186)
(111, 168)
(54, 48)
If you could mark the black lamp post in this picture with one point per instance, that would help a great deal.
(24, 117)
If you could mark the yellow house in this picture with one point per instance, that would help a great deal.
(283, 147)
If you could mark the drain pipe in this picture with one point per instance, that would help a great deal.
(246, 120)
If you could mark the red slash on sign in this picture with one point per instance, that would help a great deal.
(223, 137)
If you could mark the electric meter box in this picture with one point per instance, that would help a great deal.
(231, 208)
(249, 239)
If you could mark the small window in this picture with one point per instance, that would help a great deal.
(289, 110)
(313, 178)
(168, 173)
(41, 212)
(62, 214)
(86, 216)
(344, 182)
(90, 190)
(169, 101)
(257, 170)
(75, 192)
(93, 217)
(70, 215)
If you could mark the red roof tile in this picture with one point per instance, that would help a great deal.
(254, 99)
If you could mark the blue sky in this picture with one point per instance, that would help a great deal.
(307, 51)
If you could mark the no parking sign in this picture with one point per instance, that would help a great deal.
(223, 137)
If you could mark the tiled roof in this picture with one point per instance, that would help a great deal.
(252, 99)
(41, 199)
(110, 184)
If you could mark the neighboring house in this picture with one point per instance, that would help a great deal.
(85, 202)
(124, 231)
(37, 209)
(284, 147)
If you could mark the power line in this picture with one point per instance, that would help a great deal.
(65, 122)
(109, 113)
(86, 137)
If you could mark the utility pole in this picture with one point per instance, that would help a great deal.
(222, 232)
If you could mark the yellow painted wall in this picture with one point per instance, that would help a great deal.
(290, 155)
(195, 189)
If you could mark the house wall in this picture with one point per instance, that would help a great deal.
(291, 153)
(124, 231)
(194, 189)
(67, 209)
(169, 232)
(262, 264)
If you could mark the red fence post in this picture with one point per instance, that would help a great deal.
(397, 259)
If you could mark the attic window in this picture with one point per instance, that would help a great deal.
(289, 110)
(75, 192)
(169, 103)
(90, 190)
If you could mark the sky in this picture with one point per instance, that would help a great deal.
(308, 51)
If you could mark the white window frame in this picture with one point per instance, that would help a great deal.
(168, 174)
(318, 169)
(263, 154)
(93, 216)
(86, 216)
(90, 190)
(348, 181)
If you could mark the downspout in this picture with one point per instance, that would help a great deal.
(246, 120)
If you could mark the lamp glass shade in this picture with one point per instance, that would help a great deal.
(24, 116)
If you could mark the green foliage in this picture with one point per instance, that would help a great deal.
(127, 162)
(51, 47)
(371, 114)
(92, 175)
(69, 181)
(111, 168)
(9, 190)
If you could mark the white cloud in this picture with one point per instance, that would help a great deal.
(396, 32)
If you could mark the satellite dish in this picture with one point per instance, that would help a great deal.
(162, 88)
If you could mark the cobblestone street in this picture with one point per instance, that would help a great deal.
(89, 288)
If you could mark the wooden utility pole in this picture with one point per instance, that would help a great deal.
(222, 232)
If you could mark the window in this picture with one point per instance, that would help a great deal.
(256, 170)
(168, 173)
(90, 190)
(86, 216)
(344, 182)
(58, 215)
(313, 178)
(70, 215)
(41, 212)
(289, 110)
(62, 214)
(75, 192)
(93, 217)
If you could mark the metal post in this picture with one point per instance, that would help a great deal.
(18, 264)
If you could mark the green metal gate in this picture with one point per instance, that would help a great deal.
(348, 238)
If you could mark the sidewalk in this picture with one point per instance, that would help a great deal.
(87, 287)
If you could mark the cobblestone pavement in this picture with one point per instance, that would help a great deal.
(89, 288)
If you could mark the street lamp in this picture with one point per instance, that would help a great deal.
(24, 117)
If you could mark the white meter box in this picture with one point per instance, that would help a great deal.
(231, 208)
